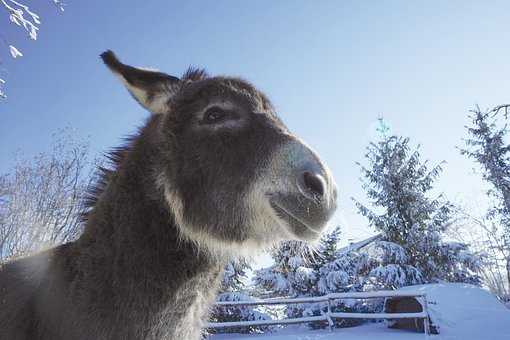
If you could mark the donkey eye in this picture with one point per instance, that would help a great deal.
(214, 115)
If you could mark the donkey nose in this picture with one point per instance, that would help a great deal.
(312, 184)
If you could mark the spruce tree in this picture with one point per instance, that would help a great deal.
(234, 277)
(328, 246)
(300, 272)
(232, 288)
(291, 274)
(398, 185)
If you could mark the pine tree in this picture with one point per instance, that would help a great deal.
(299, 272)
(291, 274)
(235, 276)
(412, 251)
(335, 271)
(328, 246)
(232, 288)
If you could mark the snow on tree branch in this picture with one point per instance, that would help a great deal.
(398, 184)
(21, 15)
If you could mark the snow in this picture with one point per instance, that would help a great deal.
(377, 331)
(460, 311)
(237, 315)
(464, 311)
(359, 245)
(350, 295)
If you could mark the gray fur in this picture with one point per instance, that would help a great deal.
(182, 196)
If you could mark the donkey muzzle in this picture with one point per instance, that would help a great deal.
(309, 200)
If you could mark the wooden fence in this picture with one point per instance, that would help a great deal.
(329, 315)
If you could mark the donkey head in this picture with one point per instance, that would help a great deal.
(230, 171)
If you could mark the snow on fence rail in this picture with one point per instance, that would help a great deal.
(329, 315)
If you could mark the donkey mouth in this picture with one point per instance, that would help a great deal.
(298, 227)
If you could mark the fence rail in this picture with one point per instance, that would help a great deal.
(328, 315)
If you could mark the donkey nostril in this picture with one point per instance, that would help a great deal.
(314, 183)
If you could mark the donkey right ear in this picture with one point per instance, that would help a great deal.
(152, 89)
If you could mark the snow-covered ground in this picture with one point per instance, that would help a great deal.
(377, 331)
(367, 332)
(460, 311)
(465, 312)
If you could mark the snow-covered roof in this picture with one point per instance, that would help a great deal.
(358, 245)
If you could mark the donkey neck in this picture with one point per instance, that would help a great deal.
(153, 273)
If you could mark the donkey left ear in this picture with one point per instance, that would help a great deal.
(151, 89)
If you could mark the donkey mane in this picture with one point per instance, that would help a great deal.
(103, 173)
(195, 74)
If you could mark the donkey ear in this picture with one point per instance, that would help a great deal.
(151, 89)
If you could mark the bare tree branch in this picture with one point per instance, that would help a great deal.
(41, 199)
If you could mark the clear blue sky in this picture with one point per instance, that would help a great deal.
(330, 67)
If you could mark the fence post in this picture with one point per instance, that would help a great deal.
(328, 315)
(426, 323)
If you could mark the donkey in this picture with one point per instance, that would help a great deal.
(213, 173)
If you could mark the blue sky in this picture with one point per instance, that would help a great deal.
(330, 67)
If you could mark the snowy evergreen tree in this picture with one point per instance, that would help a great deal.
(233, 287)
(388, 267)
(488, 145)
(291, 274)
(238, 313)
(301, 272)
(234, 277)
(327, 248)
(412, 251)
(336, 271)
